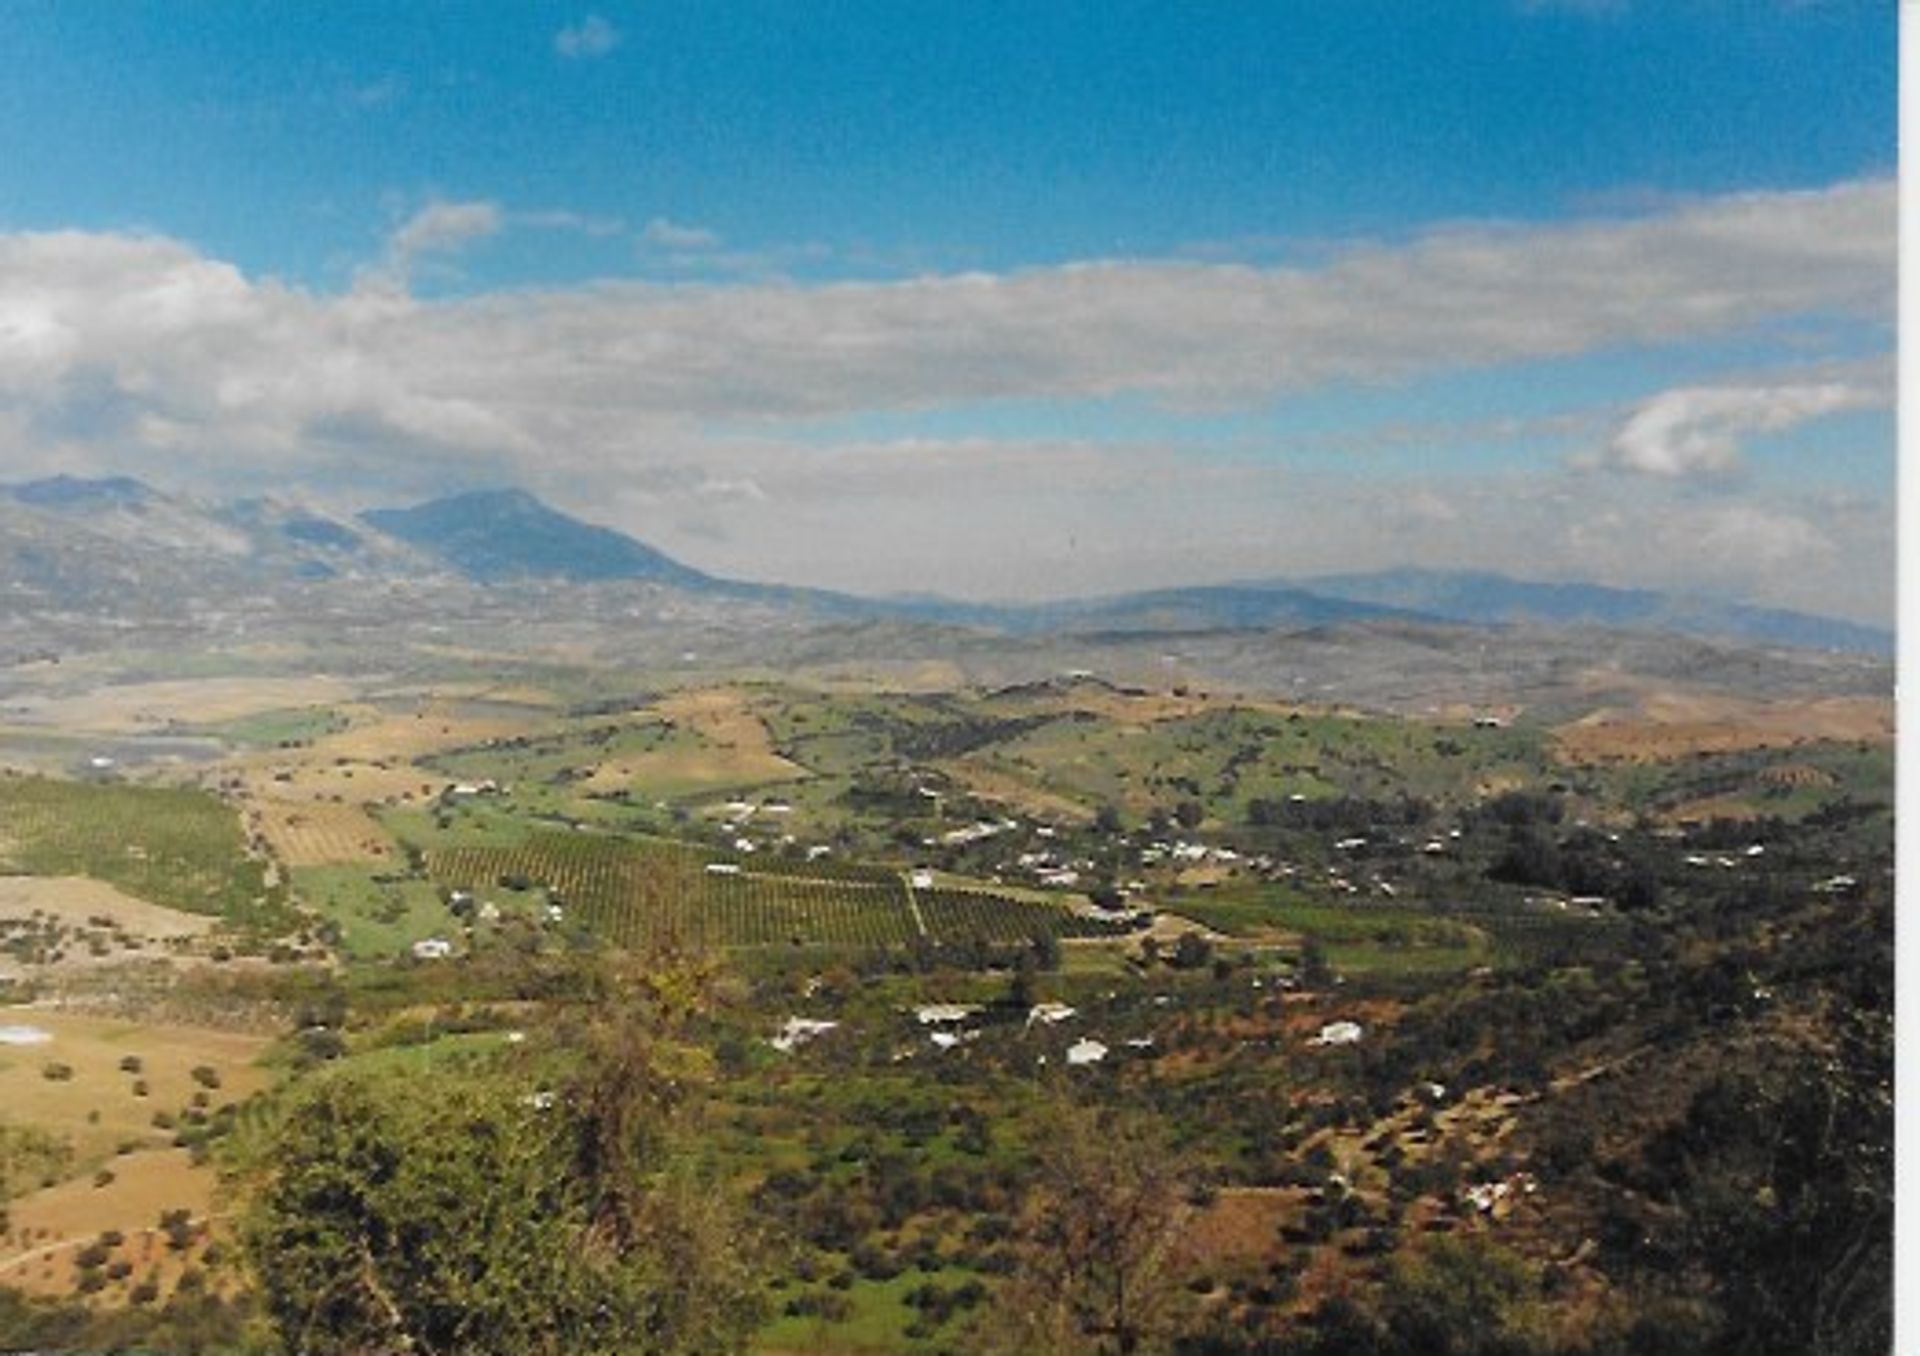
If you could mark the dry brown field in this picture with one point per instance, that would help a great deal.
(130, 708)
(98, 1106)
(993, 784)
(92, 912)
(47, 1228)
(318, 833)
(734, 749)
(309, 803)
(77, 900)
(1668, 726)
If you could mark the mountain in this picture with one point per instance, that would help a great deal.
(1225, 607)
(59, 492)
(116, 547)
(492, 536)
(1486, 598)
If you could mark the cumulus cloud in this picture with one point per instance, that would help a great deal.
(593, 36)
(571, 368)
(1699, 430)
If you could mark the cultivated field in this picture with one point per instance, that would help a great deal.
(77, 901)
(317, 832)
(648, 892)
(175, 847)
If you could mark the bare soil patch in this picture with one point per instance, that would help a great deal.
(1672, 725)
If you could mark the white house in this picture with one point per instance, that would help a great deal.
(1050, 1013)
(1338, 1033)
(1086, 1051)
(937, 1014)
(798, 1031)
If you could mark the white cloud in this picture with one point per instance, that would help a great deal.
(673, 235)
(438, 228)
(580, 369)
(1748, 539)
(1698, 430)
(593, 36)
(142, 353)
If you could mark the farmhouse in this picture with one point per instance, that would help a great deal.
(1086, 1051)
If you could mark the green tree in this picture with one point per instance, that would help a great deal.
(470, 1212)
(1783, 1179)
(1463, 1297)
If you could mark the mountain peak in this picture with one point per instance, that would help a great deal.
(65, 491)
(503, 534)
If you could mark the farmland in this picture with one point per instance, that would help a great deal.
(120, 1102)
(920, 926)
(649, 893)
(171, 846)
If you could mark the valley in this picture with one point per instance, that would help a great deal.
(1359, 988)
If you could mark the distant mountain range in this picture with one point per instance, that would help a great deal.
(1480, 597)
(68, 542)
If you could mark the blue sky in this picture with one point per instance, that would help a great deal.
(995, 299)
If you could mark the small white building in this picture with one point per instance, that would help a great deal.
(432, 948)
(798, 1031)
(1086, 1051)
(944, 1014)
(1338, 1033)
